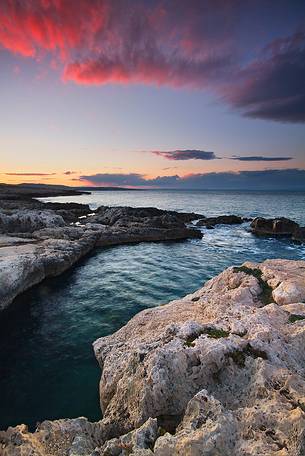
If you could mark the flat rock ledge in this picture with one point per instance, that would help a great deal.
(220, 372)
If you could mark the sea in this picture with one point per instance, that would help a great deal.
(47, 365)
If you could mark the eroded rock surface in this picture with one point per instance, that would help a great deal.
(36, 244)
(220, 372)
(226, 364)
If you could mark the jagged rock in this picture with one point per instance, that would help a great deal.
(210, 222)
(75, 437)
(240, 387)
(273, 227)
(138, 442)
(219, 373)
(70, 212)
(27, 221)
(44, 246)
(126, 215)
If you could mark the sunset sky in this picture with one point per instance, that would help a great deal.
(152, 93)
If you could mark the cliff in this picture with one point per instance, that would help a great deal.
(220, 372)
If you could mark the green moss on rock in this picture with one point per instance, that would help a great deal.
(211, 332)
(266, 293)
(294, 317)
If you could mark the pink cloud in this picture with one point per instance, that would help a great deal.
(197, 44)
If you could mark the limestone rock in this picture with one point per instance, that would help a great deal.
(39, 243)
(220, 370)
(27, 221)
(217, 373)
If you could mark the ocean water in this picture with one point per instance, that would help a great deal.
(47, 366)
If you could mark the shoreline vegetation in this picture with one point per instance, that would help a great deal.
(220, 371)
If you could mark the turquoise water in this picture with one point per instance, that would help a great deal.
(47, 367)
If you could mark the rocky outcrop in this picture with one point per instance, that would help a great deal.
(220, 372)
(47, 253)
(273, 227)
(70, 212)
(28, 221)
(223, 368)
(124, 216)
(39, 243)
(209, 222)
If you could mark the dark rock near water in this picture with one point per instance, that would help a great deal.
(70, 212)
(125, 215)
(273, 227)
(27, 191)
(210, 222)
(299, 234)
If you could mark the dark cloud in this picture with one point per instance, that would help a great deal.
(273, 87)
(260, 158)
(288, 179)
(251, 54)
(131, 179)
(68, 173)
(30, 174)
(187, 154)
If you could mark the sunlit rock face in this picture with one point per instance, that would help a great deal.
(219, 372)
(222, 369)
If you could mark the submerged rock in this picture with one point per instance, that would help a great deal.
(219, 372)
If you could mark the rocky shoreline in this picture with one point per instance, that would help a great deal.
(219, 372)
(40, 240)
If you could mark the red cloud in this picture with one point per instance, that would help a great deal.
(52, 25)
(194, 43)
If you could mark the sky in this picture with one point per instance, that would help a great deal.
(153, 94)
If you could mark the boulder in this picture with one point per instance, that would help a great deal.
(273, 227)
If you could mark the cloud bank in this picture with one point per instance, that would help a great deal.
(194, 44)
(259, 158)
(276, 179)
(187, 154)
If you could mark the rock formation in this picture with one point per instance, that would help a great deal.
(220, 372)
(221, 220)
(273, 227)
(36, 244)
